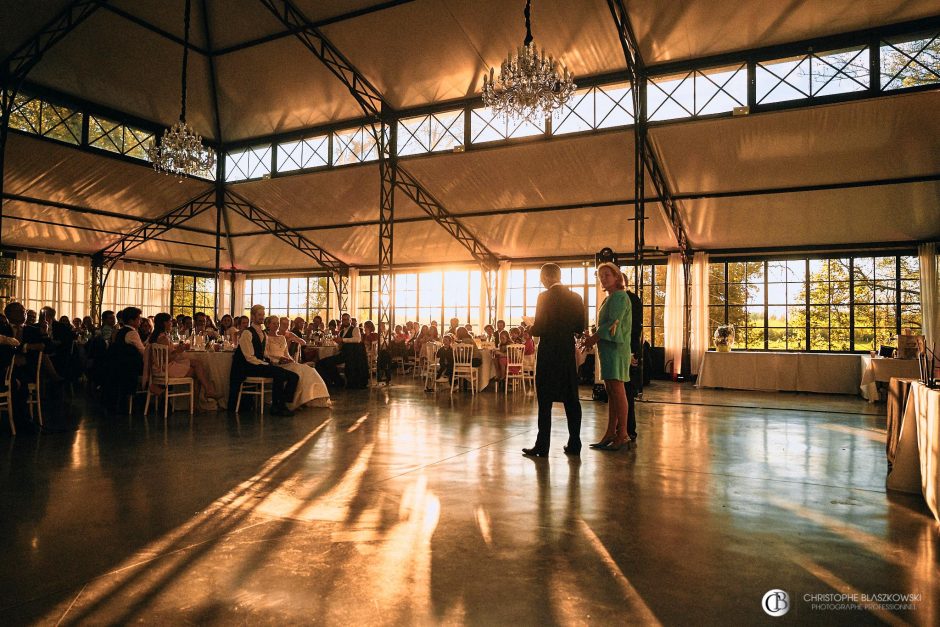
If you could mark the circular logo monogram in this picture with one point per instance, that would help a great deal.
(776, 603)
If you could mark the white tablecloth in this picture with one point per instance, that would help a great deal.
(219, 370)
(486, 368)
(830, 373)
(917, 458)
(882, 369)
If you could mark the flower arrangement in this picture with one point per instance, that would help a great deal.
(724, 338)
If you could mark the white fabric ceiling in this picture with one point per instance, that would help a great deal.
(430, 51)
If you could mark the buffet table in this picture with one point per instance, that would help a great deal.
(917, 454)
(876, 369)
(830, 373)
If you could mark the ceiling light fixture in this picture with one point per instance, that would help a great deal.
(530, 85)
(181, 152)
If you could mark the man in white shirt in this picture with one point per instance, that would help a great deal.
(249, 361)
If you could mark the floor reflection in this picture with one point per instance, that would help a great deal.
(400, 507)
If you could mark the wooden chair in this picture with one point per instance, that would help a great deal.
(254, 386)
(515, 364)
(529, 363)
(34, 390)
(159, 367)
(418, 369)
(372, 354)
(429, 359)
(6, 396)
(464, 370)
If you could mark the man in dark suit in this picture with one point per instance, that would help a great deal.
(559, 315)
(636, 346)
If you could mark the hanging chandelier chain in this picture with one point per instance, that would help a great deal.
(528, 22)
(185, 61)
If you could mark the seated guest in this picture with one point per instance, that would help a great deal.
(489, 333)
(241, 325)
(202, 324)
(369, 335)
(186, 327)
(433, 335)
(469, 328)
(179, 365)
(333, 328)
(445, 360)
(249, 361)
(299, 327)
(77, 325)
(454, 323)
(316, 328)
(311, 390)
(501, 355)
(126, 357)
(19, 346)
(463, 337)
(352, 353)
(145, 329)
(292, 338)
(31, 318)
(500, 327)
(225, 324)
(108, 322)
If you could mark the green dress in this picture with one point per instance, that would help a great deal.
(615, 349)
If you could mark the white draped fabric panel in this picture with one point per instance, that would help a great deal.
(137, 285)
(353, 305)
(59, 281)
(239, 306)
(930, 293)
(674, 313)
(502, 289)
(698, 334)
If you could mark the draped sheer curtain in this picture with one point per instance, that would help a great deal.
(58, 281)
(674, 312)
(698, 334)
(929, 293)
(146, 286)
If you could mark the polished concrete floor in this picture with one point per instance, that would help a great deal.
(398, 507)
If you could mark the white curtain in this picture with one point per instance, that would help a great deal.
(58, 281)
(674, 312)
(502, 289)
(698, 336)
(353, 305)
(232, 302)
(146, 286)
(930, 293)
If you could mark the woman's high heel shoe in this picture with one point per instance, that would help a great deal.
(603, 443)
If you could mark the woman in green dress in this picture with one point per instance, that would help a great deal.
(614, 321)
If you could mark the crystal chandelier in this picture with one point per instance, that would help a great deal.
(181, 152)
(530, 85)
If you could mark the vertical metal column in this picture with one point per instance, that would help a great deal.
(219, 208)
(388, 166)
(639, 199)
(98, 277)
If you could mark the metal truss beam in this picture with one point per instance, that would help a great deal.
(95, 212)
(644, 144)
(388, 169)
(261, 218)
(130, 17)
(146, 232)
(368, 97)
(431, 206)
(319, 24)
(18, 64)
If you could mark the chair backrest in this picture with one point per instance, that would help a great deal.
(159, 359)
(463, 354)
(430, 351)
(39, 354)
(8, 377)
(515, 353)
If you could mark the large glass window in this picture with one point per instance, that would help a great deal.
(291, 296)
(823, 304)
(192, 293)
